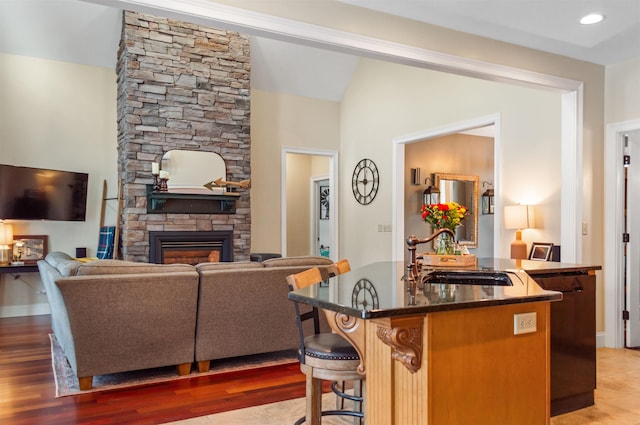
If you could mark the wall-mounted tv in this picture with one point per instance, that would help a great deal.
(42, 194)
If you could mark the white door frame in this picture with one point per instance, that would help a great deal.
(613, 253)
(398, 250)
(333, 195)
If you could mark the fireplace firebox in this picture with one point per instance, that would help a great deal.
(190, 247)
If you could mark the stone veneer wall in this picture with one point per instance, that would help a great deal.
(180, 86)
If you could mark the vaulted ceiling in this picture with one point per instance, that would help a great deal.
(81, 32)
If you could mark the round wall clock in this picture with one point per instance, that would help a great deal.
(365, 181)
(364, 295)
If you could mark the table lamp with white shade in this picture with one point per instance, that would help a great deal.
(6, 240)
(518, 217)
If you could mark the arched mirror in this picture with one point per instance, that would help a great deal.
(465, 191)
(189, 171)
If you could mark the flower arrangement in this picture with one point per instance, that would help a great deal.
(444, 216)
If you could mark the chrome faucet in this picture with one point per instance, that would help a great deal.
(412, 242)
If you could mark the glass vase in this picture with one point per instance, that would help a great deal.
(444, 245)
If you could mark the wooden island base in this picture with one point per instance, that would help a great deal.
(470, 368)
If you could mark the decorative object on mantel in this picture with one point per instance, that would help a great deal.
(243, 184)
(445, 216)
(164, 178)
(487, 199)
(155, 172)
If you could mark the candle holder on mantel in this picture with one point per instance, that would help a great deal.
(164, 177)
(163, 185)
(155, 172)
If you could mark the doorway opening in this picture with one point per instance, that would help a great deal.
(622, 271)
(309, 202)
(399, 167)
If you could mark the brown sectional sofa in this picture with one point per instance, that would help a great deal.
(114, 316)
(243, 308)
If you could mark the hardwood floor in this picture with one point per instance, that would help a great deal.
(27, 388)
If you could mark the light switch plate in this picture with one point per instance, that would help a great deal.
(524, 323)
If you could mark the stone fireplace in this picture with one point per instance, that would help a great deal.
(186, 87)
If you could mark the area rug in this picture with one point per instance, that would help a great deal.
(67, 382)
(281, 413)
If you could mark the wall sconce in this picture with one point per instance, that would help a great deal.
(415, 176)
(431, 194)
(518, 217)
(6, 240)
(487, 199)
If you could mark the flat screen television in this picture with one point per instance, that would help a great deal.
(41, 194)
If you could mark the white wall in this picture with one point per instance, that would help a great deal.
(62, 116)
(386, 100)
(298, 204)
(622, 94)
(279, 120)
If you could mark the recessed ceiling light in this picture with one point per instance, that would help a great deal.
(592, 18)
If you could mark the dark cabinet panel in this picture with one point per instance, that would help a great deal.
(573, 341)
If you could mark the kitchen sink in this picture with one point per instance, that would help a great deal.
(467, 277)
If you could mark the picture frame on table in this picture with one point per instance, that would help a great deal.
(29, 248)
(540, 251)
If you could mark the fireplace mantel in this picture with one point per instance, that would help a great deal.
(185, 203)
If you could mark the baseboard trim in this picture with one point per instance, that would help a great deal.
(24, 310)
(600, 339)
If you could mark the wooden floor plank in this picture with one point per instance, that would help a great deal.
(27, 387)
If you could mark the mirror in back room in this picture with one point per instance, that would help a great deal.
(464, 190)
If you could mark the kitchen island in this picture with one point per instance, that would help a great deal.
(466, 349)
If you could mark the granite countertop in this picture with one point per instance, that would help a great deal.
(378, 289)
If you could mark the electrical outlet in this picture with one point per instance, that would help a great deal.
(585, 229)
(524, 323)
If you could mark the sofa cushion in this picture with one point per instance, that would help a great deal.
(55, 257)
(68, 267)
(227, 265)
(100, 267)
(297, 261)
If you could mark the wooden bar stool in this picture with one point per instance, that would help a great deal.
(323, 356)
(335, 269)
(338, 268)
